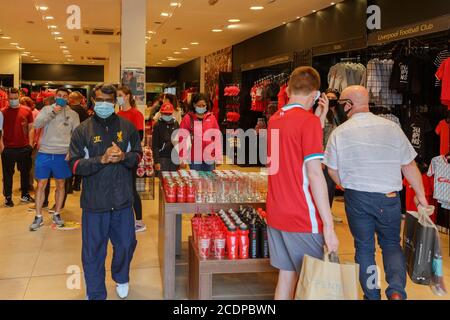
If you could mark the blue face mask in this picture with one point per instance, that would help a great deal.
(14, 103)
(104, 109)
(61, 102)
(200, 110)
(120, 101)
(167, 118)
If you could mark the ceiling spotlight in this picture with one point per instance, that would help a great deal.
(165, 14)
(234, 20)
(42, 8)
(175, 4)
(35, 59)
(257, 8)
(159, 63)
(63, 47)
(298, 17)
(66, 51)
(184, 48)
(6, 38)
(151, 32)
(58, 38)
(14, 44)
(233, 26)
(314, 11)
(20, 48)
(195, 43)
(52, 27)
(217, 30)
(177, 52)
(49, 18)
(24, 54)
(333, 3)
(56, 33)
(284, 22)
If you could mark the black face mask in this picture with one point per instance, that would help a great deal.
(333, 103)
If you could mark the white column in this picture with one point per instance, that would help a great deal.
(10, 64)
(113, 63)
(134, 30)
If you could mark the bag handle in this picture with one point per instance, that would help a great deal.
(330, 256)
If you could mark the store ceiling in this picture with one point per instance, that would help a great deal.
(171, 43)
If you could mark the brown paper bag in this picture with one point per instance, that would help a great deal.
(324, 280)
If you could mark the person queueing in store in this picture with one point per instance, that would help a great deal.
(2, 146)
(104, 150)
(298, 212)
(178, 112)
(75, 103)
(335, 117)
(163, 142)
(197, 122)
(367, 156)
(58, 122)
(18, 137)
(130, 112)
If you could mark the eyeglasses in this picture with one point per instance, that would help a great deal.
(104, 100)
(345, 101)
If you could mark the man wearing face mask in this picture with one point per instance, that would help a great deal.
(367, 155)
(58, 122)
(162, 139)
(104, 150)
(18, 136)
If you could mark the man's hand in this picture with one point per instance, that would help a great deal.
(106, 158)
(324, 106)
(331, 239)
(157, 166)
(57, 109)
(116, 155)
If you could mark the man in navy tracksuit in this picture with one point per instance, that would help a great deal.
(104, 150)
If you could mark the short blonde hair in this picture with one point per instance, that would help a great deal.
(304, 80)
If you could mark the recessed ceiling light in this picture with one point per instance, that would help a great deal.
(6, 38)
(56, 33)
(63, 47)
(42, 8)
(164, 14)
(66, 51)
(35, 59)
(233, 26)
(175, 4)
(195, 43)
(298, 17)
(58, 38)
(217, 30)
(333, 3)
(256, 8)
(184, 48)
(284, 22)
(234, 20)
(49, 18)
(314, 11)
(24, 54)
(20, 48)
(159, 63)
(52, 27)
(151, 32)
(177, 52)
(14, 44)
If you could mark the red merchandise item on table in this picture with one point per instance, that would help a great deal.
(443, 131)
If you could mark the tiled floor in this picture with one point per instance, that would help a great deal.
(47, 263)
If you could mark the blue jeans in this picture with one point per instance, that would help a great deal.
(375, 213)
(202, 166)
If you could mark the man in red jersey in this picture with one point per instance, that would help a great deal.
(299, 215)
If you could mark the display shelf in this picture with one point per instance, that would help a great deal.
(167, 233)
(201, 271)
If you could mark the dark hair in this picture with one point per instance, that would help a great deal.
(196, 98)
(333, 91)
(173, 100)
(106, 88)
(13, 91)
(63, 90)
(128, 91)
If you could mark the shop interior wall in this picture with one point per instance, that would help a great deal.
(397, 13)
(346, 20)
(161, 74)
(61, 72)
(189, 73)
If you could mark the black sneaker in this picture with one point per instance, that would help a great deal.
(8, 202)
(76, 187)
(27, 199)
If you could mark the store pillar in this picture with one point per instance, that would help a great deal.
(9, 66)
(112, 66)
(133, 48)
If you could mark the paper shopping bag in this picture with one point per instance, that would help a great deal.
(324, 280)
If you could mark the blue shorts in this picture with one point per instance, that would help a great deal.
(52, 165)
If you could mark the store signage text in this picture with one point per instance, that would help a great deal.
(374, 20)
(406, 32)
(74, 19)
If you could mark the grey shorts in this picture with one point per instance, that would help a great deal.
(287, 249)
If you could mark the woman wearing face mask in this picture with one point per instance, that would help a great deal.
(129, 111)
(163, 143)
(199, 121)
(335, 117)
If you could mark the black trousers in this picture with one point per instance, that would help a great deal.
(21, 157)
(331, 186)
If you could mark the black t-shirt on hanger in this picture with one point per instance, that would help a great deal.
(416, 128)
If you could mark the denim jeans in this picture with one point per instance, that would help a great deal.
(202, 166)
(375, 213)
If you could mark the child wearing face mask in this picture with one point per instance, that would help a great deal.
(163, 142)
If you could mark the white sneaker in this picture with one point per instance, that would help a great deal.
(122, 290)
(140, 227)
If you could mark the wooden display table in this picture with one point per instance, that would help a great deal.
(167, 233)
(201, 271)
